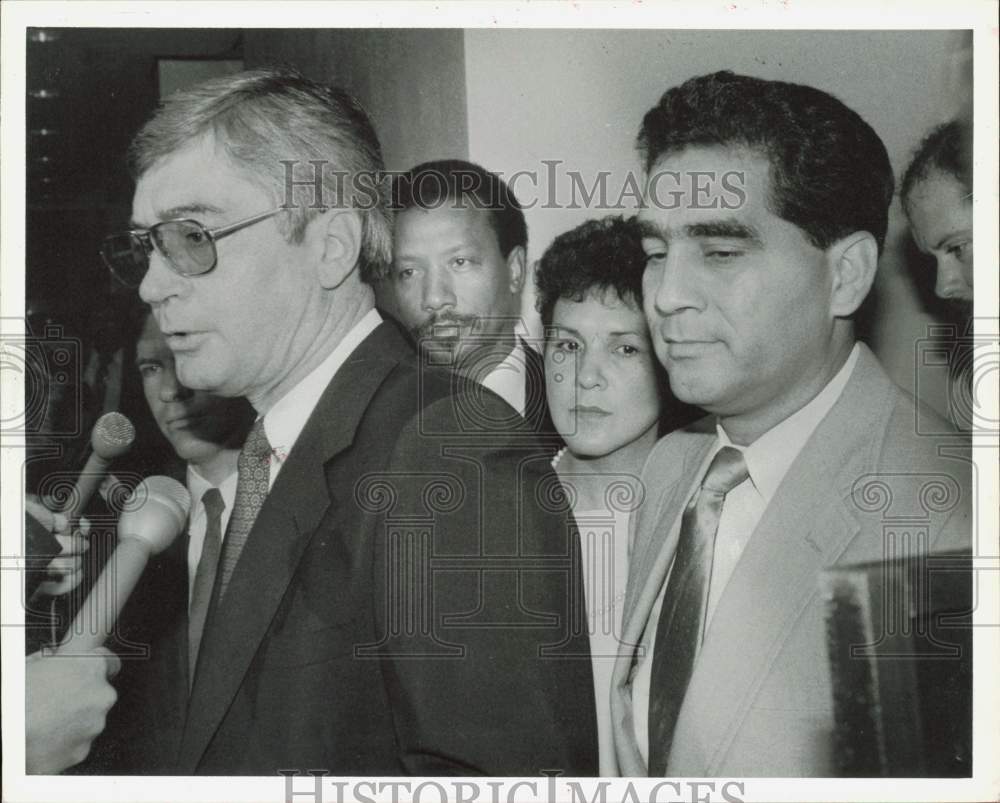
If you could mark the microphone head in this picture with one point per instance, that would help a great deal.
(113, 436)
(155, 512)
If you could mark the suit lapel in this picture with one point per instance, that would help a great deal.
(289, 516)
(675, 470)
(807, 525)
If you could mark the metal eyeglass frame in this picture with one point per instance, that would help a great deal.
(145, 238)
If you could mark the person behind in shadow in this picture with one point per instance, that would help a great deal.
(609, 398)
(936, 193)
(459, 251)
(196, 437)
(765, 209)
(337, 635)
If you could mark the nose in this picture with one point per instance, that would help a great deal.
(670, 285)
(437, 291)
(160, 281)
(170, 389)
(590, 370)
(951, 284)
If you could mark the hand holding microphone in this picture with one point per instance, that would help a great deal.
(65, 570)
(67, 701)
(153, 516)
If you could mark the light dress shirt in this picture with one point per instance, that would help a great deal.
(768, 459)
(284, 422)
(604, 559)
(509, 379)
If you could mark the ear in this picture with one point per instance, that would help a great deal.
(853, 261)
(516, 261)
(339, 246)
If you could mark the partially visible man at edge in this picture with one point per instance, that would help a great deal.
(936, 192)
(308, 658)
(937, 197)
(163, 615)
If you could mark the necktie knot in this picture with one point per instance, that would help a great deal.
(727, 470)
(214, 504)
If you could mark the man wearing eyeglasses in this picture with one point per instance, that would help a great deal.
(391, 596)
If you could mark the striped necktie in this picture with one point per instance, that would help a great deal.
(681, 627)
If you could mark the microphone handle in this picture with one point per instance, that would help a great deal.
(88, 482)
(96, 619)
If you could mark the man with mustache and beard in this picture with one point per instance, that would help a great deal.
(459, 251)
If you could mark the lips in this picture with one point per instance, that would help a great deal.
(179, 340)
(583, 409)
(449, 327)
(185, 421)
(681, 348)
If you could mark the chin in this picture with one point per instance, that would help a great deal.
(588, 450)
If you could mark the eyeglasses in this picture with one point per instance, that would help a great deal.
(186, 245)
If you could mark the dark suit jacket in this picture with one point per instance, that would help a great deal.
(865, 487)
(536, 406)
(408, 601)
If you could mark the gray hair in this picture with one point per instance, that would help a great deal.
(270, 122)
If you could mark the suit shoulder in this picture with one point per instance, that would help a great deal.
(916, 438)
(436, 407)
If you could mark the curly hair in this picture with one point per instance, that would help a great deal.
(830, 173)
(601, 255)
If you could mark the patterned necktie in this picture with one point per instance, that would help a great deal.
(252, 485)
(204, 577)
(681, 627)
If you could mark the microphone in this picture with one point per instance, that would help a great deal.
(153, 516)
(112, 437)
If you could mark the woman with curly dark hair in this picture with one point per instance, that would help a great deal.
(609, 401)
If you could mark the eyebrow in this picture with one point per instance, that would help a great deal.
(953, 235)
(571, 331)
(181, 211)
(448, 252)
(727, 228)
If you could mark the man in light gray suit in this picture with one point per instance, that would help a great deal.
(765, 212)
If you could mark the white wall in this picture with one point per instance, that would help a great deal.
(579, 96)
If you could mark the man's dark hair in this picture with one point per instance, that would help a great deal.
(830, 173)
(943, 150)
(598, 255)
(431, 185)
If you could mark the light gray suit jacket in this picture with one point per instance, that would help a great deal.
(760, 702)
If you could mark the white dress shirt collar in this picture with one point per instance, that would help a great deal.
(508, 379)
(772, 454)
(284, 422)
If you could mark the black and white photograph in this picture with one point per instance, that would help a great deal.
(556, 401)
